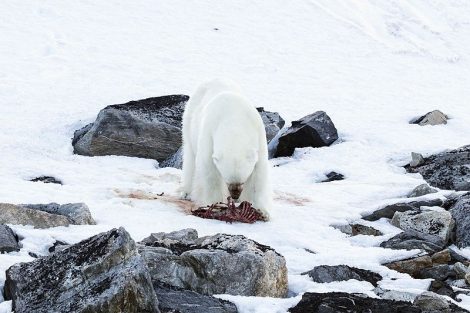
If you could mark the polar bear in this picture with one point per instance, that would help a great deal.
(224, 148)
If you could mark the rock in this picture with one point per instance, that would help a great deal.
(467, 278)
(77, 213)
(412, 266)
(328, 274)
(448, 170)
(438, 272)
(442, 288)
(177, 300)
(435, 117)
(416, 159)
(18, 215)
(8, 240)
(272, 121)
(332, 176)
(457, 257)
(104, 273)
(389, 210)
(438, 224)
(421, 190)
(175, 160)
(47, 180)
(337, 302)
(412, 240)
(314, 130)
(395, 295)
(358, 229)
(58, 246)
(431, 302)
(149, 128)
(215, 264)
(441, 257)
(460, 270)
(461, 213)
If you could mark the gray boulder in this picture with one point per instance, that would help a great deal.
(416, 159)
(177, 300)
(314, 130)
(18, 215)
(215, 264)
(435, 223)
(104, 273)
(342, 302)
(273, 123)
(175, 160)
(328, 274)
(149, 128)
(448, 170)
(358, 229)
(77, 213)
(421, 190)
(409, 240)
(435, 117)
(438, 272)
(461, 213)
(432, 302)
(389, 210)
(8, 240)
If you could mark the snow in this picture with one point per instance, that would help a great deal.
(371, 65)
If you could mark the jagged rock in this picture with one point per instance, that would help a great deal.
(337, 302)
(58, 246)
(430, 301)
(441, 257)
(104, 273)
(442, 288)
(416, 159)
(457, 257)
(389, 210)
(328, 274)
(77, 213)
(448, 170)
(332, 176)
(438, 272)
(8, 240)
(272, 121)
(435, 117)
(461, 213)
(358, 229)
(314, 130)
(18, 215)
(177, 300)
(436, 223)
(461, 270)
(412, 240)
(412, 266)
(421, 190)
(215, 264)
(47, 180)
(149, 128)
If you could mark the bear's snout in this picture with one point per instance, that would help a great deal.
(235, 190)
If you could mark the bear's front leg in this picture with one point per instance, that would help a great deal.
(257, 189)
(208, 185)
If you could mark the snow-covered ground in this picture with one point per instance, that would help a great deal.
(371, 65)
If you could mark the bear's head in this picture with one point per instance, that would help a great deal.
(235, 159)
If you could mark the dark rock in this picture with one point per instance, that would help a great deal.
(421, 190)
(341, 302)
(413, 266)
(272, 121)
(389, 210)
(8, 240)
(104, 273)
(328, 274)
(435, 117)
(47, 180)
(216, 264)
(358, 229)
(412, 240)
(461, 213)
(18, 215)
(448, 170)
(332, 176)
(433, 223)
(442, 288)
(438, 272)
(149, 128)
(77, 213)
(314, 130)
(457, 257)
(33, 255)
(174, 299)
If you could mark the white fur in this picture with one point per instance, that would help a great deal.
(224, 142)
